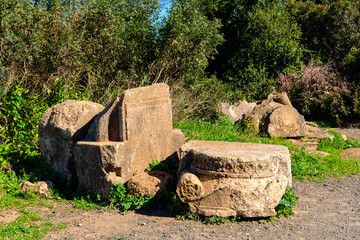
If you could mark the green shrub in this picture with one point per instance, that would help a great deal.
(121, 199)
(284, 208)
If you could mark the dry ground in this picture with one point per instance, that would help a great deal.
(327, 210)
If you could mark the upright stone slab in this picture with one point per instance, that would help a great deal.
(233, 179)
(126, 137)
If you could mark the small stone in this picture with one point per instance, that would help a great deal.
(151, 183)
(351, 153)
(43, 188)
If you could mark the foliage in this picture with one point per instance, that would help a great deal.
(261, 39)
(169, 165)
(286, 203)
(103, 47)
(329, 28)
(121, 199)
(154, 165)
(19, 122)
(87, 201)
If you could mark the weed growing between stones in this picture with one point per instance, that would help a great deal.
(286, 203)
(121, 199)
(306, 166)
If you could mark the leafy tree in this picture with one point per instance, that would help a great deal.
(103, 47)
(187, 40)
(261, 40)
(330, 28)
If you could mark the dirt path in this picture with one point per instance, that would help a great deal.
(327, 210)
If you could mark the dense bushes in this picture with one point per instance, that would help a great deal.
(318, 93)
(205, 50)
(261, 39)
(265, 39)
(100, 48)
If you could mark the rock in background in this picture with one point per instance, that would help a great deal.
(277, 117)
(238, 111)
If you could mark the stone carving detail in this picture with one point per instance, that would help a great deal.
(233, 179)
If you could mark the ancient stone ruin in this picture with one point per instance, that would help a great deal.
(274, 116)
(109, 146)
(60, 128)
(233, 179)
(95, 147)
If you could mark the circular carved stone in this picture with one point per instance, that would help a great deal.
(238, 160)
(233, 179)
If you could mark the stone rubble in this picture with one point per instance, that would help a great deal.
(277, 117)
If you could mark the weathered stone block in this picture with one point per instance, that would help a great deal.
(286, 121)
(233, 179)
(276, 117)
(126, 137)
(151, 183)
(60, 128)
(237, 112)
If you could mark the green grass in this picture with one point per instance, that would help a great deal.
(28, 226)
(311, 167)
(224, 130)
(304, 165)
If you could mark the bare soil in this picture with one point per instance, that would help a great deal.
(327, 210)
